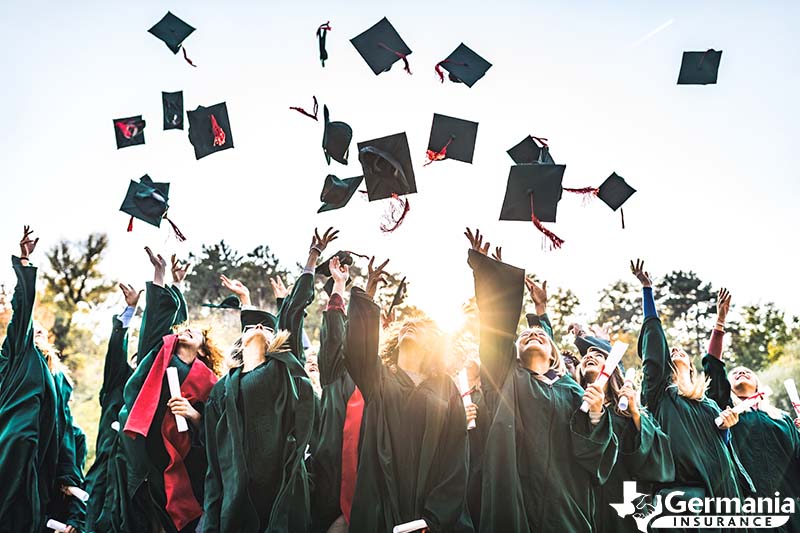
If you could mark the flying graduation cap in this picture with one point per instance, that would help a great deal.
(129, 131)
(451, 138)
(336, 137)
(532, 194)
(388, 173)
(209, 130)
(614, 192)
(230, 302)
(463, 66)
(148, 201)
(173, 110)
(322, 33)
(528, 152)
(398, 296)
(173, 31)
(381, 46)
(699, 68)
(337, 192)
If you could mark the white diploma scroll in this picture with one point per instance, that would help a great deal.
(55, 525)
(408, 527)
(744, 406)
(79, 493)
(613, 359)
(175, 392)
(463, 387)
(791, 390)
(630, 374)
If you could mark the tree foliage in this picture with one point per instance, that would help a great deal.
(687, 306)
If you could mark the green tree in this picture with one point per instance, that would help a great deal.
(561, 306)
(74, 277)
(761, 336)
(687, 306)
(619, 306)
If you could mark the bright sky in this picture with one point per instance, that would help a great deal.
(716, 166)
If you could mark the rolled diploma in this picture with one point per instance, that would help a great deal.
(56, 525)
(79, 493)
(408, 527)
(175, 392)
(745, 405)
(630, 374)
(617, 351)
(463, 386)
(791, 390)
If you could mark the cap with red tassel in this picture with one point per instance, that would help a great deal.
(431, 156)
(463, 65)
(551, 240)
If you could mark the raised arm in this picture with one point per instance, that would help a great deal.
(161, 311)
(361, 352)
(719, 388)
(19, 334)
(332, 332)
(653, 348)
(116, 370)
(538, 295)
(498, 292)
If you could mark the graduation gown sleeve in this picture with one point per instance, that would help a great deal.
(594, 447)
(655, 354)
(293, 310)
(19, 334)
(646, 453)
(331, 348)
(362, 343)
(212, 505)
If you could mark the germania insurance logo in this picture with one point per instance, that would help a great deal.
(676, 510)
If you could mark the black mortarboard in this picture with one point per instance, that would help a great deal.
(253, 317)
(230, 302)
(209, 130)
(451, 138)
(173, 110)
(146, 200)
(464, 66)
(399, 295)
(129, 131)
(381, 46)
(584, 343)
(615, 191)
(172, 30)
(336, 138)
(387, 167)
(337, 192)
(324, 269)
(699, 68)
(543, 182)
(528, 151)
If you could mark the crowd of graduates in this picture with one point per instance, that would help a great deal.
(249, 444)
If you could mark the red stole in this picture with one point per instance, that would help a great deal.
(182, 506)
(350, 436)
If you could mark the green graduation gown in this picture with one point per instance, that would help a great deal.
(258, 426)
(413, 462)
(769, 449)
(542, 454)
(147, 458)
(28, 417)
(100, 480)
(702, 457)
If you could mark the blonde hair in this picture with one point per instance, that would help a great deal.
(51, 355)
(698, 384)
(556, 363)
(434, 349)
(278, 343)
(763, 405)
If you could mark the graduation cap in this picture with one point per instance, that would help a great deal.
(528, 151)
(381, 46)
(533, 193)
(322, 33)
(451, 138)
(209, 130)
(463, 65)
(254, 317)
(336, 138)
(583, 344)
(614, 191)
(388, 172)
(231, 302)
(173, 110)
(148, 201)
(173, 31)
(324, 269)
(337, 192)
(399, 295)
(129, 131)
(699, 68)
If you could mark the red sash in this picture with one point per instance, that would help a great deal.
(350, 436)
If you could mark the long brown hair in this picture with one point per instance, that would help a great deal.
(210, 354)
(434, 350)
(615, 384)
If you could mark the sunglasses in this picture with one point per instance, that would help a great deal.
(259, 326)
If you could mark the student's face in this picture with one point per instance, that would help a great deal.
(311, 364)
(592, 363)
(534, 341)
(257, 333)
(40, 335)
(680, 358)
(191, 338)
(412, 332)
(743, 381)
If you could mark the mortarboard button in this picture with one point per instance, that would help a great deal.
(464, 66)
(337, 192)
(173, 110)
(532, 194)
(129, 131)
(451, 138)
(336, 139)
(210, 130)
(528, 151)
(381, 46)
(699, 68)
(173, 31)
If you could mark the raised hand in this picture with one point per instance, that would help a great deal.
(320, 243)
(387, 318)
(179, 270)
(375, 275)
(476, 241)
(236, 287)
(637, 269)
(595, 397)
(131, 295)
(538, 295)
(576, 329)
(26, 244)
(723, 305)
(498, 254)
(278, 287)
(339, 272)
(159, 266)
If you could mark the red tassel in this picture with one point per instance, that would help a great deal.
(130, 225)
(306, 113)
(406, 66)
(438, 67)
(541, 140)
(181, 237)
(187, 57)
(391, 221)
(622, 216)
(219, 133)
(130, 129)
(432, 156)
(588, 193)
(325, 27)
(552, 241)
